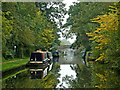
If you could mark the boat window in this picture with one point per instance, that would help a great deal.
(36, 57)
(39, 57)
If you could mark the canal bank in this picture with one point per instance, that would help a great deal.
(23, 79)
(11, 64)
(10, 67)
(52, 80)
(66, 75)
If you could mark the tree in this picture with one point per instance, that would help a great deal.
(55, 11)
(105, 38)
(7, 30)
(105, 47)
(23, 27)
(79, 20)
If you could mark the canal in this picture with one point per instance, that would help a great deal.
(68, 71)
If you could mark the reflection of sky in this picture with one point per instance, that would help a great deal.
(50, 66)
(65, 70)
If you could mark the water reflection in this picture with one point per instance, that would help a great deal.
(40, 71)
(81, 77)
(47, 75)
(38, 77)
(65, 70)
(55, 59)
(69, 57)
(54, 75)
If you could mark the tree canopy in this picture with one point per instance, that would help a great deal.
(29, 28)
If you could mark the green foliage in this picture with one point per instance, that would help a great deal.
(54, 11)
(104, 77)
(79, 20)
(14, 64)
(47, 39)
(23, 26)
(105, 47)
(97, 26)
(105, 38)
(7, 30)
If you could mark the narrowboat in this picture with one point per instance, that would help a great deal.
(56, 54)
(38, 57)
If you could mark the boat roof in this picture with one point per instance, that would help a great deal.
(39, 51)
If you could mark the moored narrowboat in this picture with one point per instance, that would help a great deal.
(38, 57)
(56, 54)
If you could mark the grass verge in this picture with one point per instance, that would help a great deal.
(15, 64)
(4, 60)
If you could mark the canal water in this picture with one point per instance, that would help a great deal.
(64, 72)
(54, 74)
(69, 57)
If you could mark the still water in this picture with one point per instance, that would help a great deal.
(69, 58)
(52, 78)
(50, 75)
(64, 72)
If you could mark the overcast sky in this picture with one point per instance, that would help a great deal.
(68, 3)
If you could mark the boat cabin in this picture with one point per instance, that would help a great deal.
(38, 57)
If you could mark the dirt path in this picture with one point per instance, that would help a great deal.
(12, 61)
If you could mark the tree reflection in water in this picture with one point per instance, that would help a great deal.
(23, 80)
(105, 76)
(66, 70)
(83, 77)
(97, 76)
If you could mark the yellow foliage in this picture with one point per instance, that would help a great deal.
(102, 35)
(96, 47)
(91, 57)
(47, 38)
(39, 12)
(91, 39)
(100, 58)
(99, 86)
(102, 78)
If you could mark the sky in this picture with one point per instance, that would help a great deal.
(68, 3)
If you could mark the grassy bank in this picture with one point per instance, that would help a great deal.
(9, 65)
(4, 60)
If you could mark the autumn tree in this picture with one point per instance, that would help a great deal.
(105, 47)
(23, 25)
(105, 39)
(79, 20)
